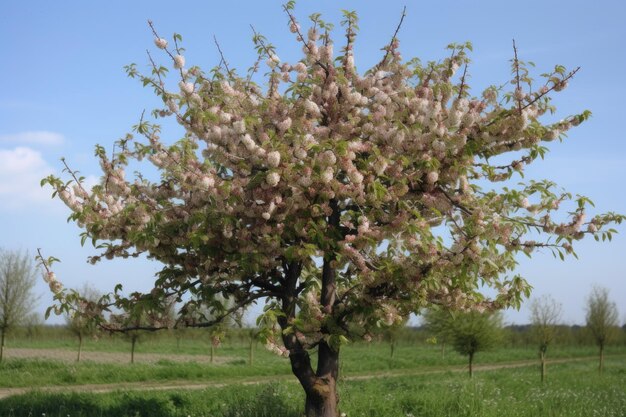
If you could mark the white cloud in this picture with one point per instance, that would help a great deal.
(21, 170)
(39, 137)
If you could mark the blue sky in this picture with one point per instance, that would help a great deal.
(63, 89)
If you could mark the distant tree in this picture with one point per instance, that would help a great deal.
(437, 323)
(32, 325)
(143, 321)
(77, 319)
(392, 334)
(17, 281)
(472, 332)
(253, 335)
(601, 319)
(198, 312)
(545, 314)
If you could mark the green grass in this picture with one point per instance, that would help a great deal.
(572, 390)
(33, 373)
(355, 359)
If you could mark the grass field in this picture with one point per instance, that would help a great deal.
(232, 363)
(573, 389)
(417, 381)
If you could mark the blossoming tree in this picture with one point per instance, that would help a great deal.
(343, 199)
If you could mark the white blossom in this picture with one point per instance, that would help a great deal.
(248, 142)
(272, 179)
(207, 182)
(49, 277)
(311, 107)
(327, 175)
(171, 104)
(160, 43)
(300, 153)
(186, 88)
(239, 126)
(179, 61)
(300, 67)
(355, 177)
(327, 158)
(524, 203)
(273, 159)
(284, 125)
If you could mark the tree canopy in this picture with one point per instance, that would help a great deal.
(343, 198)
(18, 276)
(602, 319)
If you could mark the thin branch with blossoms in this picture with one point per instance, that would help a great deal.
(176, 59)
(390, 46)
(296, 27)
(554, 87)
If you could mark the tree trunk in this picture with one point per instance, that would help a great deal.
(132, 349)
(212, 353)
(443, 350)
(2, 344)
(600, 367)
(471, 361)
(251, 352)
(322, 400)
(80, 347)
(543, 365)
(393, 348)
(320, 386)
(321, 390)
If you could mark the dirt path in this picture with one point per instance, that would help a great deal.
(186, 385)
(69, 356)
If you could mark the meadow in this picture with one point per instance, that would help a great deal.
(417, 381)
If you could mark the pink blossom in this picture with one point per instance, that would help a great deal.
(311, 107)
(179, 61)
(327, 158)
(300, 153)
(171, 104)
(239, 126)
(273, 159)
(55, 286)
(355, 176)
(524, 203)
(207, 182)
(327, 175)
(284, 124)
(272, 179)
(160, 43)
(248, 142)
(186, 88)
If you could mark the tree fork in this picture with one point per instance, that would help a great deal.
(322, 400)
